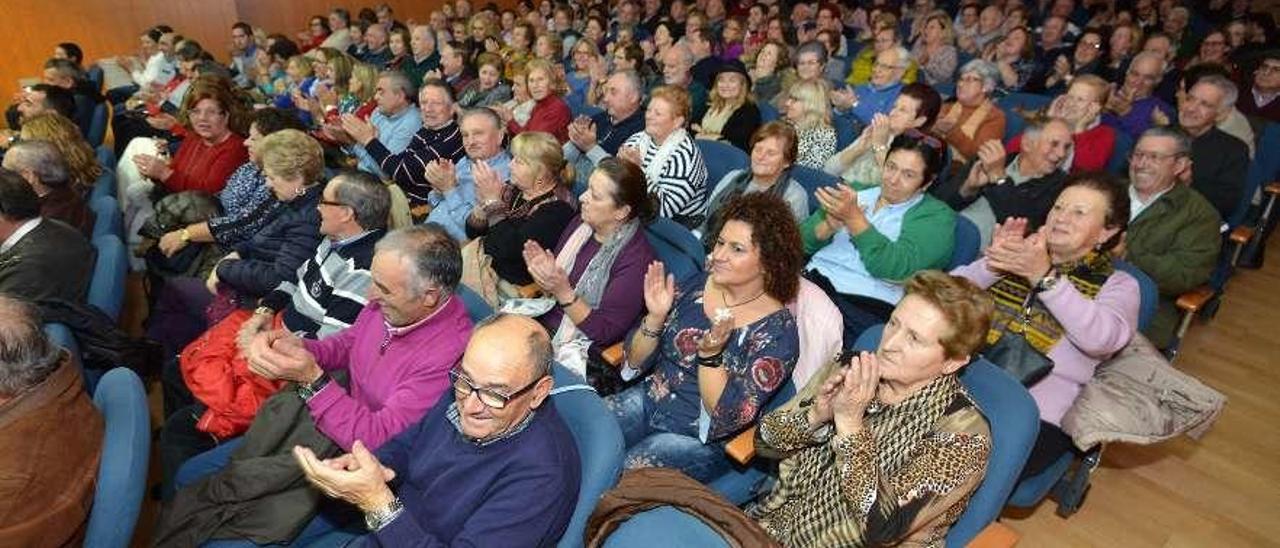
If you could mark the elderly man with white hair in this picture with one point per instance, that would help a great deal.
(42, 165)
(1221, 161)
(595, 138)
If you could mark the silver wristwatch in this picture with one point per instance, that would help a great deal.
(378, 519)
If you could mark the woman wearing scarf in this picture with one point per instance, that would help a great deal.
(773, 152)
(973, 118)
(1082, 310)
(884, 450)
(717, 349)
(536, 205)
(596, 275)
(672, 162)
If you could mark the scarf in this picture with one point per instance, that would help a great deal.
(1041, 329)
(570, 344)
(736, 187)
(899, 428)
(653, 168)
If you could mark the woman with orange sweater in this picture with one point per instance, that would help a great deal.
(973, 118)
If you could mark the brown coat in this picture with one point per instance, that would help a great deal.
(50, 442)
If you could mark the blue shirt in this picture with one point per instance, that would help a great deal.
(450, 209)
(874, 100)
(841, 262)
(394, 132)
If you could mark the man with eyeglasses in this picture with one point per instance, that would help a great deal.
(877, 95)
(1173, 231)
(493, 465)
(1132, 108)
(1260, 102)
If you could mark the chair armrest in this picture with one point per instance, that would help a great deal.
(1241, 234)
(614, 355)
(742, 448)
(995, 535)
(529, 291)
(1192, 301)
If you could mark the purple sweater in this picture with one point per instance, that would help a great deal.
(1094, 330)
(390, 389)
(623, 298)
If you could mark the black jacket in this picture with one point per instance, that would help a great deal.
(1032, 199)
(53, 261)
(274, 254)
(1219, 165)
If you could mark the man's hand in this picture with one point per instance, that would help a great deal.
(280, 355)
(583, 134)
(356, 477)
(361, 131)
(442, 175)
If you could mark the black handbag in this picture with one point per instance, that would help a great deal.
(1014, 354)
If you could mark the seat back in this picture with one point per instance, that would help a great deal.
(600, 446)
(967, 242)
(1264, 169)
(106, 289)
(768, 112)
(1014, 421)
(1012, 103)
(106, 157)
(1119, 162)
(721, 158)
(477, 308)
(664, 526)
(108, 221)
(679, 250)
(104, 185)
(94, 75)
(812, 179)
(126, 450)
(1149, 295)
(97, 125)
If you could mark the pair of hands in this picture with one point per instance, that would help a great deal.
(878, 132)
(1013, 253)
(840, 202)
(172, 242)
(152, 166)
(547, 273)
(660, 296)
(582, 132)
(280, 355)
(357, 130)
(844, 98)
(356, 477)
(489, 184)
(211, 283)
(631, 154)
(845, 395)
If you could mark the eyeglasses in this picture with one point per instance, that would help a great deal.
(333, 203)
(887, 66)
(463, 388)
(1139, 156)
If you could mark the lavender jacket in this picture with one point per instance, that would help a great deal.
(1094, 330)
(390, 388)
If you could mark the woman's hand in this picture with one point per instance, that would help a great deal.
(716, 338)
(1027, 258)
(630, 154)
(879, 130)
(503, 112)
(841, 203)
(820, 412)
(489, 185)
(172, 242)
(256, 323)
(152, 167)
(547, 273)
(659, 291)
(849, 404)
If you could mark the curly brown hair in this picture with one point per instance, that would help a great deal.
(775, 233)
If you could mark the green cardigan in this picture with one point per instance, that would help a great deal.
(926, 240)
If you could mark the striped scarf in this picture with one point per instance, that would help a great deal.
(1039, 326)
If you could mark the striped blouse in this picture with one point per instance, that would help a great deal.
(681, 186)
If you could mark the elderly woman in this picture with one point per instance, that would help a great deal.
(916, 108)
(718, 349)
(1015, 58)
(810, 64)
(596, 275)
(973, 118)
(935, 52)
(55, 128)
(247, 203)
(773, 152)
(211, 151)
(672, 162)
(1087, 57)
(537, 206)
(550, 113)
(887, 445)
(1081, 108)
(733, 115)
(766, 70)
(487, 89)
(807, 109)
(865, 241)
(1082, 310)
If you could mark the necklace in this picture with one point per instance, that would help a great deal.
(725, 312)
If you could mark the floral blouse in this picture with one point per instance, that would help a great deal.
(759, 359)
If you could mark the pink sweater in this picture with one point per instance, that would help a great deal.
(1094, 330)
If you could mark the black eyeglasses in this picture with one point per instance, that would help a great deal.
(463, 388)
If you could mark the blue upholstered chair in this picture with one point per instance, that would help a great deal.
(1118, 164)
(664, 526)
(108, 221)
(106, 289)
(679, 250)
(721, 158)
(600, 446)
(97, 125)
(967, 242)
(126, 450)
(813, 179)
(106, 157)
(768, 112)
(1010, 104)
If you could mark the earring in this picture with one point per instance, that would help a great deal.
(299, 191)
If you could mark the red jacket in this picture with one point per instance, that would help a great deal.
(219, 377)
(198, 166)
(551, 115)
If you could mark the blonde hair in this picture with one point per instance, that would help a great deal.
(543, 150)
(65, 136)
(300, 62)
(556, 77)
(290, 153)
(1101, 89)
(948, 33)
(813, 95)
(368, 76)
(720, 103)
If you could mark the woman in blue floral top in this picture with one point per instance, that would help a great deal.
(716, 351)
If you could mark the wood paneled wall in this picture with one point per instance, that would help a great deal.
(105, 28)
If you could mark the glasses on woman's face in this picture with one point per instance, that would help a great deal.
(463, 388)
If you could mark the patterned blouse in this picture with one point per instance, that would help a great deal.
(759, 358)
(247, 206)
(816, 145)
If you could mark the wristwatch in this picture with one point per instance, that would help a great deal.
(309, 390)
(378, 519)
(184, 235)
(264, 311)
(1047, 282)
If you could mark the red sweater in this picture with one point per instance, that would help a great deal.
(198, 166)
(1093, 148)
(551, 115)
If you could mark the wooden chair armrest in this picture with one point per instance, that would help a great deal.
(995, 535)
(529, 291)
(1192, 301)
(742, 448)
(1241, 234)
(614, 355)
(1272, 188)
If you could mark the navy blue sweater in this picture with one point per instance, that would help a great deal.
(519, 491)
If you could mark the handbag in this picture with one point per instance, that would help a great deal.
(1014, 354)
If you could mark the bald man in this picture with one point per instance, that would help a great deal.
(491, 464)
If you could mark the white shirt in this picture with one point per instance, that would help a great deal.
(1137, 206)
(18, 234)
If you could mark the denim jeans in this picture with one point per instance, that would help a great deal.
(649, 447)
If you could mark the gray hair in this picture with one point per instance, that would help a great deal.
(434, 254)
(633, 81)
(1036, 127)
(1225, 86)
(401, 83)
(486, 113)
(1150, 54)
(1181, 141)
(367, 196)
(539, 343)
(815, 47)
(27, 356)
(686, 54)
(43, 159)
(984, 69)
